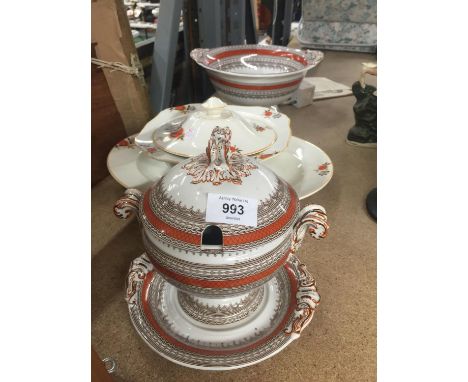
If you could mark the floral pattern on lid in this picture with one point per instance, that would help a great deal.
(269, 113)
(177, 134)
(183, 108)
(128, 142)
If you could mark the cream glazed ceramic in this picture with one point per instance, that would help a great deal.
(172, 214)
(261, 75)
(187, 135)
(133, 166)
(303, 165)
(269, 117)
(176, 325)
(183, 131)
(306, 167)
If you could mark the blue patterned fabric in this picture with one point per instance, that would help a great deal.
(339, 25)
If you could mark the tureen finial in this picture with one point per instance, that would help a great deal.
(213, 106)
(221, 163)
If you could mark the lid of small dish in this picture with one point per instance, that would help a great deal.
(187, 135)
(175, 207)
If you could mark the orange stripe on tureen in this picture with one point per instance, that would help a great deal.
(228, 240)
(165, 228)
(220, 283)
(256, 87)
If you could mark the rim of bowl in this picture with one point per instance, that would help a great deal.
(311, 62)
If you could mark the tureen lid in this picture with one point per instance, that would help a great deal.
(174, 209)
(186, 135)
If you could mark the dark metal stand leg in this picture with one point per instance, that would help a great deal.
(371, 203)
(165, 44)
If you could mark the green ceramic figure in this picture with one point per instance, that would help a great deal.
(364, 132)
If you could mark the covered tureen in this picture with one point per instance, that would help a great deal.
(219, 286)
(212, 259)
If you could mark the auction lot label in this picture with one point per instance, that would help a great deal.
(231, 209)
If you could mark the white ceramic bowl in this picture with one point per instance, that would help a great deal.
(256, 75)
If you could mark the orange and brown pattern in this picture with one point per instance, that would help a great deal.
(295, 285)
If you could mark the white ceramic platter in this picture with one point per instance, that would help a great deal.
(287, 307)
(303, 165)
(132, 166)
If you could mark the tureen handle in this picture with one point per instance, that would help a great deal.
(312, 218)
(307, 299)
(198, 54)
(313, 57)
(139, 268)
(128, 204)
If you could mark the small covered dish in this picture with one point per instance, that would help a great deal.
(183, 131)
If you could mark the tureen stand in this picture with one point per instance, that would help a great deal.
(281, 309)
(220, 296)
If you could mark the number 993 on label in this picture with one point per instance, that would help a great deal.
(231, 209)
